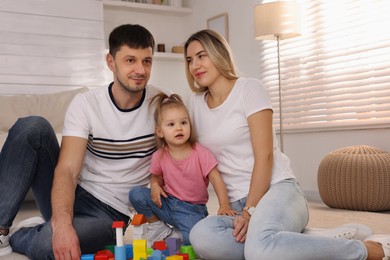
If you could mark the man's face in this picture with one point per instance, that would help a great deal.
(131, 68)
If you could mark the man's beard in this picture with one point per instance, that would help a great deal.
(130, 89)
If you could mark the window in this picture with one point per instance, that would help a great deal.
(336, 75)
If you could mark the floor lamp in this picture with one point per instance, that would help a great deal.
(277, 21)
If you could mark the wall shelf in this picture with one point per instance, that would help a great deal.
(148, 8)
(168, 56)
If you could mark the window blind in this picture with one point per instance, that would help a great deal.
(336, 75)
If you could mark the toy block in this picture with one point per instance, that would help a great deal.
(119, 225)
(120, 253)
(188, 250)
(87, 257)
(138, 219)
(174, 257)
(173, 245)
(129, 251)
(104, 255)
(159, 245)
(185, 256)
(149, 251)
(110, 247)
(156, 255)
(139, 249)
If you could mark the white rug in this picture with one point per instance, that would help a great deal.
(321, 216)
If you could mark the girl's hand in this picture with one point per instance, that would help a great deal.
(156, 192)
(226, 211)
(240, 225)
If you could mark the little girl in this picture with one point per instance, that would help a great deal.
(180, 170)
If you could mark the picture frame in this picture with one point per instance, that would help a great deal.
(219, 23)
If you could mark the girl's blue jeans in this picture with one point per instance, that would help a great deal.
(274, 232)
(27, 160)
(180, 214)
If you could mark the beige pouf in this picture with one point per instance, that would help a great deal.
(355, 178)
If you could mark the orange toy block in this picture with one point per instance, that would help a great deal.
(138, 219)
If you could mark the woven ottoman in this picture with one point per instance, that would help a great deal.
(355, 178)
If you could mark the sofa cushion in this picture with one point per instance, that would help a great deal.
(50, 106)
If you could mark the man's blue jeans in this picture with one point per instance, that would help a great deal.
(27, 160)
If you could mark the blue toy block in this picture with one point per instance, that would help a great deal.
(120, 253)
(87, 257)
(156, 255)
(129, 251)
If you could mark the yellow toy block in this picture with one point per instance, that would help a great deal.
(139, 249)
(174, 257)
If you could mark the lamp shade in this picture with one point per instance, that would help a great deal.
(277, 19)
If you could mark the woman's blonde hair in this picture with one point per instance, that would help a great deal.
(219, 52)
(163, 101)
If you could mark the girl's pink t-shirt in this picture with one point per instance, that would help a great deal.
(185, 179)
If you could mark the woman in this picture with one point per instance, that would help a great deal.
(233, 118)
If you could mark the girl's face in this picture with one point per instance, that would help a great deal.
(200, 66)
(174, 126)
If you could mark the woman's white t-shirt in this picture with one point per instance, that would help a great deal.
(225, 131)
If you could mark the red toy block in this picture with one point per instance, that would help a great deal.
(104, 255)
(118, 224)
(159, 245)
(138, 219)
(185, 256)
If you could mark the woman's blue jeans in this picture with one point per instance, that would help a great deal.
(274, 232)
(27, 160)
(180, 214)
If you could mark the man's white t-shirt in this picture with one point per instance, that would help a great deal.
(225, 131)
(120, 144)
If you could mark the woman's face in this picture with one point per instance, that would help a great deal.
(200, 66)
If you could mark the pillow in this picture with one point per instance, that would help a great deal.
(50, 106)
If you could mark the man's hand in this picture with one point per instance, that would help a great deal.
(240, 225)
(66, 245)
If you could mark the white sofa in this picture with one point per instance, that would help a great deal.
(50, 106)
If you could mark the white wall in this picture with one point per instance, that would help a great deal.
(52, 45)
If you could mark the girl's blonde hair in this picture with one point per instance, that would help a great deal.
(163, 101)
(219, 52)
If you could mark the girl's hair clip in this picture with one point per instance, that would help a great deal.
(166, 100)
(171, 98)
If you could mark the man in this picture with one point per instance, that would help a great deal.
(108, 138)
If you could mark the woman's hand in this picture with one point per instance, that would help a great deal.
(226, 211)
(240, 224)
